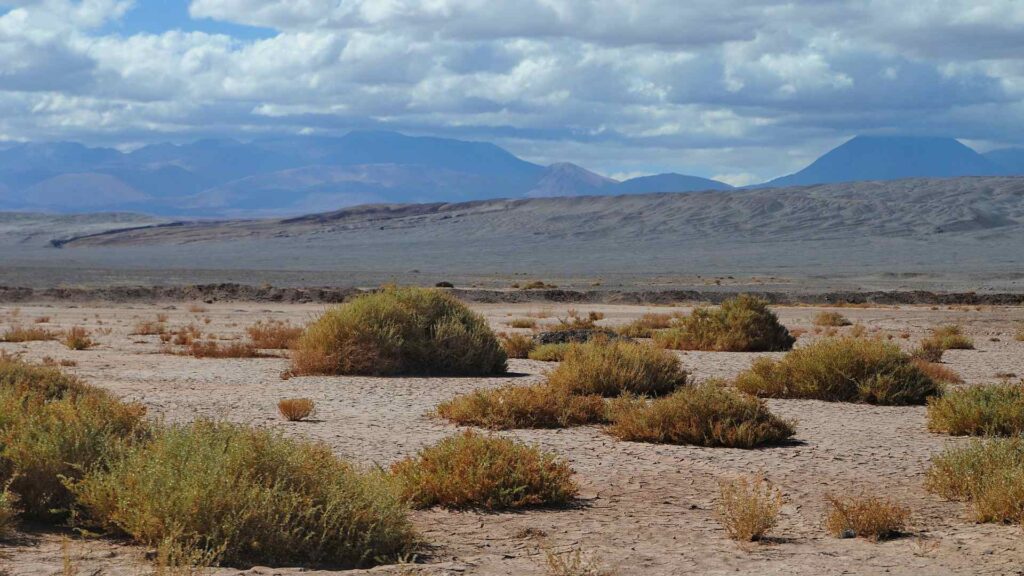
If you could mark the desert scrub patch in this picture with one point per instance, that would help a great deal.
(938, 372)
(741, 324)
(212, 349)
(296, 409)
(400, 331)
(986, 474)
(516, 345)
(704, 415)
(273, 334)
(537, 406)
(52, 427)
(614, 367)
(646, 325)
(523, 323)
(8, 512)
(472, 470)
(842, 370)
(987, 410)
(148, 328)
(30, 334)
(251, 495)
(830, 319)
(948, 337)
(872, 517)
(548, 352)
(748, 507)
(78, 338)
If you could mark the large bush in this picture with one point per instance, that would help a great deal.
(614, 367)
(248, 495)
(842, 370)
(741, 324)
(400, 331)
(979, 411)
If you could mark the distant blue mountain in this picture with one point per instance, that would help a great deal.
(669, 183)
(890, 158)
(1010, 159)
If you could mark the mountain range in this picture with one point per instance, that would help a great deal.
(305, 174)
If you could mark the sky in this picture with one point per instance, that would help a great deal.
(739, 90)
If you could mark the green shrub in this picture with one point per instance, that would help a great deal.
(611, 368)
(8, 512)
(704, 415)
(989, 475)
(400, 331)
(996, 410)
(834, 319)
(741, 324)
(645, 326)
(548, 352)
(537, 406)
(516, 345)
(842, 370)
(472, 470)
(949, 337)
(248, 495)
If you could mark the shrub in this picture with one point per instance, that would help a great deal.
(22, 334)
(248, 495)
(742, 324)
(748, 507)
(295, 409)
(474, 470)
(186, 335)
(644, 326)
(938, 372)
(949, 337)
(548, 352)
(997, 409)
(704, 415)
(989, 475)
(273, 334)
(211, 349)
(149, 328)
(872, 517)
(400, 331)
(573, 563)
(537, 406)
(77, 338)
(8, 512)
(516, 345)
(830, 319)
(523, 323)
(53, 426)
(842, 370)
(611, 368)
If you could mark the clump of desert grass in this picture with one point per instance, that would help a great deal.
(536, 406)
(247, 495)
(614, 367)
(78, 338)
(942, 338)
(741, 324)
(708, 414)
(748, 507)
(296, 409)
(573, 563)
(523, 323)
(842, 370)
(517, 345)
(273, 334)
(149, 328)
(938, 372)
(554, 352)
(400, 331)
(183, 336)
(834, 319)
(646, 325)
(27, 334)
(213, 349)
(989, 410)
(986, 474)
(866, 516)
(472, 470)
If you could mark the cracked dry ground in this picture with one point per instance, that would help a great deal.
(645, 509)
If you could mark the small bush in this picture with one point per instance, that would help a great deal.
(296, 409)
(186, 335)
(611, 368)
(273, 334)
(748, 507)
(516, 345)
(704, 415)
(8, 512)
(842, 370)
(474, 470)
(574, 563)
(537, 406)
(77, 338)
(211, 349)
(400, 331)
(742, 324)
(644, 326)
(929, 351)
(148, 328)
(949, 337)
(989, 475)
(996, 410)
(523, 323)
(249, 496)
(22, 334)
(871, 517)
(548, 352)
(830, 319)
(938, 372)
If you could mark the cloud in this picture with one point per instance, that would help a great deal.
(749, 89)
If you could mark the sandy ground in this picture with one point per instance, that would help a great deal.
(645, 509)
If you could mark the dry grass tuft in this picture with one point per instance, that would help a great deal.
(516, 345)
(949, 337)
(537, 406)
(185, 336)
(548, 352)
(523, 323)
(296, 409)
(400, 331)
(872, 517)
(991, 410)
(748, 507)
(77, 338)
(842, 370)
(830, 319)
(741, 324)
(704, 415)
(989, 475)
(211, 349)
(573, 563)
(31, 334)
(645, 326)
(273, 334)
(148, 328)
(472, 470)
(938, 372)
